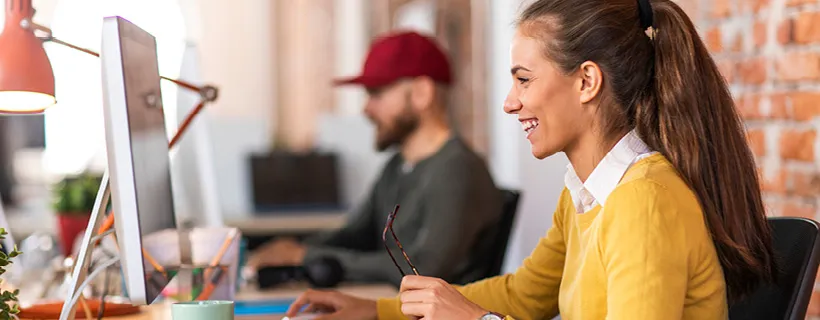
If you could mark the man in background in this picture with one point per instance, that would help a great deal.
(449, 203)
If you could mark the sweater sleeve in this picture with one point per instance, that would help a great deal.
(529, 293)
(644, 251)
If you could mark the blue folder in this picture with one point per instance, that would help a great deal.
(261, 307)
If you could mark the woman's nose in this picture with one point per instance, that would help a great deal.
(511, 104)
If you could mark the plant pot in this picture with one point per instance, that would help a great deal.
(71, 225)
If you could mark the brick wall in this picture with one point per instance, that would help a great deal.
(769, 52)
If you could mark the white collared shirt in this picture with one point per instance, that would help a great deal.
(607, 174)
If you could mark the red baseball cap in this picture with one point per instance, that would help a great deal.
(399, 55)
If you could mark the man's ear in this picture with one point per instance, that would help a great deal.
(422, 93)
(592, 80)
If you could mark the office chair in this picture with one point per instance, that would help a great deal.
(797, 248)
(504, 230)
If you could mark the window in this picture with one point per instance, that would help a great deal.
(75, 137)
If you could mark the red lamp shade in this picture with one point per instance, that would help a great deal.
(26, 77)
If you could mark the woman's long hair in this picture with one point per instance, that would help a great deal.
(670, 90)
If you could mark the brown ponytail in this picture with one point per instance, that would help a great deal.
(670, 90)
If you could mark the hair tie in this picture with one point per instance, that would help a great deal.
(647, 18)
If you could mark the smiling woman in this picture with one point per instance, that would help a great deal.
(661, 216)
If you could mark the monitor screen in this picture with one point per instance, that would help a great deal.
(137, 151)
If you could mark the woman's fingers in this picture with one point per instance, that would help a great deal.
(417, 296)
(420, 310)
(414, 282)
(310, 297)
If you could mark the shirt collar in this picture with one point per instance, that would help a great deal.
(608, 173)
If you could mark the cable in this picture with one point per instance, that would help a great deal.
(101, 235)
(103, 266)
(101, 311)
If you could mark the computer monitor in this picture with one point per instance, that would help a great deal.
(137, 150)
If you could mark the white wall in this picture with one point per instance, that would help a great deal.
(352, 41)
(193, 173)
(236, 56)
(511, 162)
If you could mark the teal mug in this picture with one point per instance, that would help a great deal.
(202, 310)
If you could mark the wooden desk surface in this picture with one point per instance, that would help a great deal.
(23, 223)
(162, 311)
(287, 223)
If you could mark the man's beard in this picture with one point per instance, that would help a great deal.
(403, 125)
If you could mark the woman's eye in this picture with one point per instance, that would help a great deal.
(523, 80)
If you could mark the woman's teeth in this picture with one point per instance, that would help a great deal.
(529, 126)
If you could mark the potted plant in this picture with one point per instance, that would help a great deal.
(8, 299)
(74, 198)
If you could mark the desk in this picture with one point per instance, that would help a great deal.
(24, 223)
(162, 311)
(261, 225)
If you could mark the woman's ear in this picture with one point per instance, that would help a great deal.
(592, 80)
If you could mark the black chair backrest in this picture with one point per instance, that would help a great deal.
(503, 232)
(797, 246)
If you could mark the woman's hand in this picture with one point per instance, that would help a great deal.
(433, 298)
(335, 305)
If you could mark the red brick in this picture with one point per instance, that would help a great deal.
(807, 27)
(692, 9)
(799, 2)
(749, 107)
(797, 66)
(727, 69)
(759, 34)
(720, 9)
(805, 105)
(737, 44)
(814, 304)
(713, 40)
(797, 144)
(776, 183)
(795, 208)
(752, 71)
(805, 183)
(785, 32)
(779, 106)
(773, 207)
(757, 141)
(760, 4)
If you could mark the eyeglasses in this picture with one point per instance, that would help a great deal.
(389, 226)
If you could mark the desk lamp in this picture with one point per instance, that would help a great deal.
(27, 83)
(26, 76)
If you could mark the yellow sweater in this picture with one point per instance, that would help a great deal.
(646, 255)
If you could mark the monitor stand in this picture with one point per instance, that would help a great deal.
(82, 275)
(81, 264)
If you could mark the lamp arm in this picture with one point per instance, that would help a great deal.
(207, 93)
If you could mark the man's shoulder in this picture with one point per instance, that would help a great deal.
(459, 151)
(459, 165)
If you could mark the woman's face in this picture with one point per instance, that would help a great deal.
(551, 106)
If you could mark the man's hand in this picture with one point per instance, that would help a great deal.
(280, 252)
(335, 305)
(433, 298)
